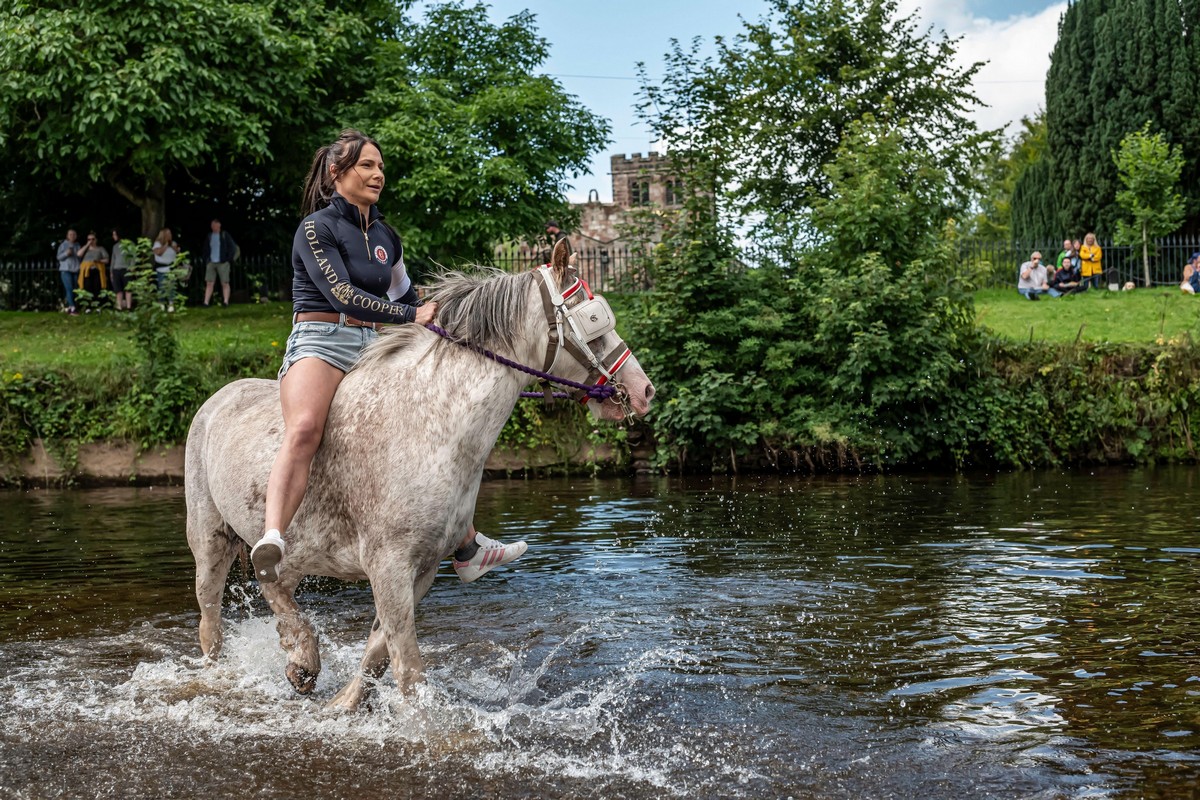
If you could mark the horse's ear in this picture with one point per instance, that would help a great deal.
(561, 256)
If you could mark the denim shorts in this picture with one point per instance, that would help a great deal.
(336, 344)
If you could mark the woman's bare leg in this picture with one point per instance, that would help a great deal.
(305, 393)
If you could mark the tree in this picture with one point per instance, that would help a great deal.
(1148, 169)
(1116, 66)
(1002, 176)
(218, 105)
(771, 108)
(137, 94)
(478, 146)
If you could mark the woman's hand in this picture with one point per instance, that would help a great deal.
(425, 314)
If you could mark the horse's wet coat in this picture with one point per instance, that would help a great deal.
(392, 487)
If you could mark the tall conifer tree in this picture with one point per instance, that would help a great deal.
(1117, 65)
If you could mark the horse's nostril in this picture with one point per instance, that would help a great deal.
(649, 392)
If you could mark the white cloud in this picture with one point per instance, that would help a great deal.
(1016, 52)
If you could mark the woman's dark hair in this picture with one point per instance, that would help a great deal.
(342, 155)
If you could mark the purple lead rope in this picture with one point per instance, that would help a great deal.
(592, 390)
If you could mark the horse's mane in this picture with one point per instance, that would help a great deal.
(485, 308)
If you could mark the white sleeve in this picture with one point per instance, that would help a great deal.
(400, 280)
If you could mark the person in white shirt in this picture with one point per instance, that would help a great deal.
(1032, 278)
(166, 250)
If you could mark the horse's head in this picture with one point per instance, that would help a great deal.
(583, 335)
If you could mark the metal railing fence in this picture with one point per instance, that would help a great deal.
(617, 267)
(36, 285)
(995, 263)
(607, 267)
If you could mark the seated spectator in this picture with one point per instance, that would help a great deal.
(1067, 279)
(1031, 279)
(1191, 275)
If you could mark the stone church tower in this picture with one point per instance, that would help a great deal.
(637, 181)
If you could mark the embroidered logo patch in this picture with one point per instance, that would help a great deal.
(381, 254)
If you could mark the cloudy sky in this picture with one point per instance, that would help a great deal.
(596, 47)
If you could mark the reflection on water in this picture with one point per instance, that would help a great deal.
(1027, 635)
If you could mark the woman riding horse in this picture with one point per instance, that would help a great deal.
(344, 258)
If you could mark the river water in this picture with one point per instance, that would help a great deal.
(1031, 635)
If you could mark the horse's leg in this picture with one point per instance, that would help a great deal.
(375, 659)
(296, 635)
(395, 603)
(214, 547)
(374, 662)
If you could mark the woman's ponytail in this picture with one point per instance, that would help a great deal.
(318, 187)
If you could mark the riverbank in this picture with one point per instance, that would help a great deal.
(1107, 379)
(126, 464)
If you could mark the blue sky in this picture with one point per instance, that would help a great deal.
(595, 48)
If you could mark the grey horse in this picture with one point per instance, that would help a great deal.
(394, 483)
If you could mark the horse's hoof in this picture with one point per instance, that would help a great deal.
(302, 680)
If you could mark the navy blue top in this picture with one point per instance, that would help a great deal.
(342, 263)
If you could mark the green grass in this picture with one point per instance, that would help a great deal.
(1139, 316)
(257, 333)
(97, 343)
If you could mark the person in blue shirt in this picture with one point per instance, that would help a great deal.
(217, 251)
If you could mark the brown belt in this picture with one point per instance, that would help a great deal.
(329, 316)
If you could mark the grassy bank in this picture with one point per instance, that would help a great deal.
(74, 380)
(1103, 377)
(95, 343)
(1142, 316)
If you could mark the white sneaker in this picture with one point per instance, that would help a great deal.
(266, 556)
(490, 554)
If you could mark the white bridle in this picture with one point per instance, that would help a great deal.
(575, 327)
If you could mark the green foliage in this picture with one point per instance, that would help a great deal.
(1149, 170)
(1090, 403)
(137, 94)
(857, 354)
(767, 114)
(163, 397)
(481, 145)
(1008, 175)
(1116, 67)
(220, 104)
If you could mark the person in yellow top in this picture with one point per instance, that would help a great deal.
(1089, 256)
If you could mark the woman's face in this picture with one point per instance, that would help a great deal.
(363, 183)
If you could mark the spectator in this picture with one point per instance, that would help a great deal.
(1076, 261)
(1031, 280)
(1191, 275)
(68, 267)
(1066, 279)
(166, 250)
(1090, 254)
(218, 252)
(553, 235)
(1064, 255)
(119, 265)
(93, 268)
